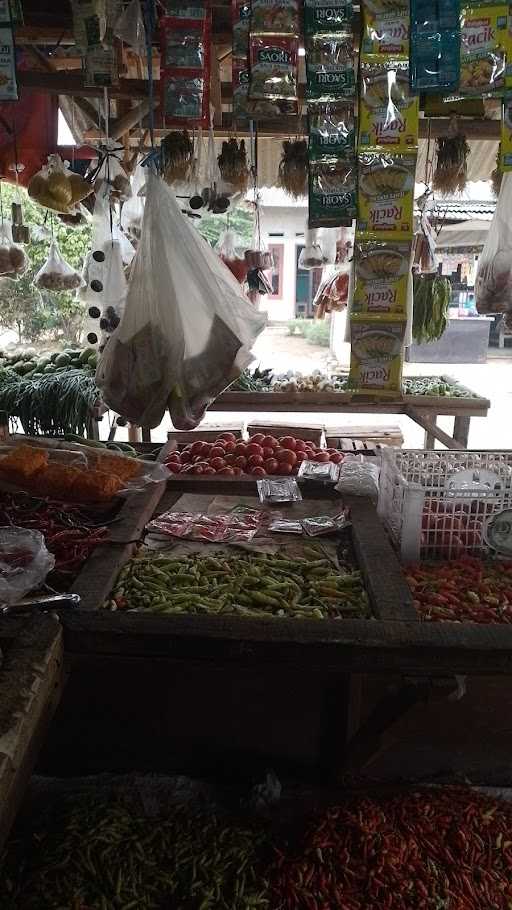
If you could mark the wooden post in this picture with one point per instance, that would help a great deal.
(134, 433)
(461, 430)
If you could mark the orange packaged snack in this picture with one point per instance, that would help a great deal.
(23, 462)
(124, 468)
(96, 485)
(55, 480)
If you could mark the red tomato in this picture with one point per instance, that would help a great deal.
(253, 449)
(208, 469)
(337, 457)
(230, 458)
(217, 452)
(207, 447)
(268, 452)
(240, 448)
(271, 465)
(448, 523)
(269, 442)
(174, 456)
(186, 457)
(471, 538)
(174, 467)
(241, 461)
(187, 448)
(310, 454)
(462, 516)
(451, 546)
(310, 444)
(197, 458)
(197, 447)
(257, 438)
(198, 469)
(284, 468)
(321, 456)
(434, 505)
(255, 460)
(300, 445)
(301, 456)
(228, 471)
(237, 470)
(331, 451)
(229, 437)
(217, 463)
(230, 447)
(288, 442)
(258, 471)
(286, 455)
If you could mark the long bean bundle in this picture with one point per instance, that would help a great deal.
(52, 404)
(432, 295)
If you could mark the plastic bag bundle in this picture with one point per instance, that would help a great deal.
(493, 285)
(105, 311)
(56, 274)
(24, 563)
(187, 328)
(129, 27)
(133, 210)
(112, 179)
(57, 188)
(227, 250)
(13, 261)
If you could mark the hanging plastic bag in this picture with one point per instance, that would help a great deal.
(111, 179)
(227, 250)
(187, 329)
(493, 284)
(311, 256)
(24, 563)
(133, 209)
(57, 188)
(105, 312)
(13, 261)
(130, 28)
(56, 274)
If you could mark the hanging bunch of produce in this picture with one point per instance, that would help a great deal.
(330, 93)
(451, 173)
(432, 295)
(293, 168)
(273, 58)
(185, 68)
(57, 188)
(387, 148)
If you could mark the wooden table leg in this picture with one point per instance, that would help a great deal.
(430, 440)
(461, 430)
(146, 434)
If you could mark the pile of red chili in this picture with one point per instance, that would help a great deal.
(463, 590)
(434, 849)
(69, 532)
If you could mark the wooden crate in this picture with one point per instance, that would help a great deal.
(313, 431)
(209, 433)
(361, 438)
(31, 683)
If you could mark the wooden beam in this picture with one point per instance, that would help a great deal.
(73, 84)
(35, 34)
(432, 429)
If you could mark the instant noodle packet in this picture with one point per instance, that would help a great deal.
(381, 275)
(386, 32)
(385, 196)
(484, 40)
(388, 112)
(331, 130)
(376, 355)
(327, 16)
(332, 192)
(273, 67)
(330, 68)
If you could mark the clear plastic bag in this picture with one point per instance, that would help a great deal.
(493, 285)
(358, 476)
(56, 274)
(311, 256)
(280, 489)
(24, 563)
(227, 250)
(187, 329)
(130, 28)
(13, 260)
(57, 188)
(112, 179)
(132, 211)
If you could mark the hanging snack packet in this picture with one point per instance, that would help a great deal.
(386, 196)
(8, 82)
(381, 276)
(327, 17)
(435, 46)
(241, 81)
(376, 355)
(275, 17)
(273, 67)
(181, 9)
(385, 32)
(56, 274)
(241, 21)
(330, 68)
(101, 67)
(185, 98)
(278, 489)
(332, 193)
(185, 44)
(331, 130)
(388, 111)
(484, 39)
(506, 134)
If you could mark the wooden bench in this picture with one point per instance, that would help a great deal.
(360, 438)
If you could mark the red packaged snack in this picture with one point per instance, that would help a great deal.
(185, 97)
(185, 73)
(273, 67)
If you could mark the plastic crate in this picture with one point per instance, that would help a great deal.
(437, 504)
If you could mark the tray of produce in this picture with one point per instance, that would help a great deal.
(155, 842)
(260, 455)
(467, 590)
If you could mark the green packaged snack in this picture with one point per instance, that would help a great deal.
(332, 192)
(330, 68)
(327, 16)
(331, 130)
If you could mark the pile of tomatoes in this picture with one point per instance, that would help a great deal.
(259, 456)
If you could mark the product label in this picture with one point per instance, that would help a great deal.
(376, 355)
(332, 193)
(386, 34)
(388, 111)
(484, 36)
(273, 67)
(385, 196)
(327, 16)
(381, 275)
(275, 17)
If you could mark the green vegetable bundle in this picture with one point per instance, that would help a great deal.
(432, 295)
(242, 584)
(51, 404)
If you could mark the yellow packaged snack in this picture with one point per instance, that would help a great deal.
(385, 31)
(388, 113)
(376, 356)
(381, 274)
(506, 134)
(484, 40)
(385, 196)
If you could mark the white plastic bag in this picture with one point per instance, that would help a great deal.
(13, 261)
(226, 247)
(56, 274)
(112, 179)
(133, 210)
(187, 328)
(493, 285)
(106, 309)
(24, 563)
